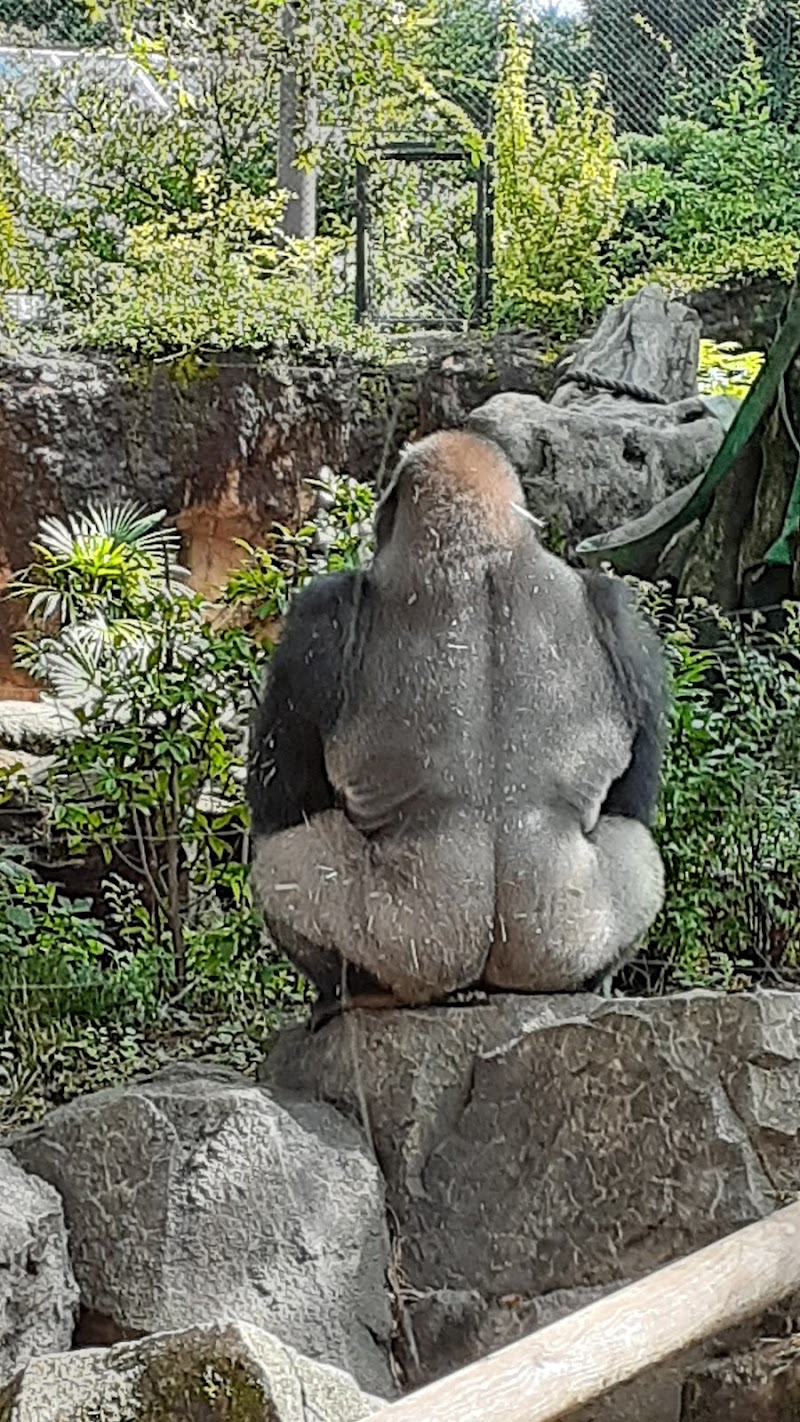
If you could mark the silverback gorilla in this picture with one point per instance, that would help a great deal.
(457, 755)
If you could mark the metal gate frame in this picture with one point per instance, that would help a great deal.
(421, 152)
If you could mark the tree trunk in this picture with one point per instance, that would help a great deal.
(297, 127)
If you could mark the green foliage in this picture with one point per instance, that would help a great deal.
(156, 691)
(156, 229)
(459, 54)
(151, 786)
(98, 566)
(217, 278)
(339, 537)
(13, 248)
(556, 198)
(706, 204)
(657, 52)
(39, 927)
(729, 821)
(725, 369)
(53, 21)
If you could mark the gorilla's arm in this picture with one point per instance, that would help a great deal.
(287, 780)
(638, 661)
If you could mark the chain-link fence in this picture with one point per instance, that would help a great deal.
(426, 228)
(419, 206)
(423, 237)
(662, 56)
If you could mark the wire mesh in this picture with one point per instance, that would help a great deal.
(662, 56)
(423, 255)
(424, 249)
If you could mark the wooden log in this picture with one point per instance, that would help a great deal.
(546, 1375)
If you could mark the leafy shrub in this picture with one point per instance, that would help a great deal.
(725, 369)
(338, 537)
(706, 204)
(55, 21)
(157, 230)
(729, 821)
(556, 198)
(215, 278)
(156, 693)
(153, 782)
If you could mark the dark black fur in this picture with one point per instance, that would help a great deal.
(638, 662)
(287, 780)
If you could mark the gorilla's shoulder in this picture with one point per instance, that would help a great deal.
(629, 638)
(326, 596)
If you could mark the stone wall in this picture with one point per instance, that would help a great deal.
(227, 452)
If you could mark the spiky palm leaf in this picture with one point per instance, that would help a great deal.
(96, 563)
(127, 523)
(75, 665)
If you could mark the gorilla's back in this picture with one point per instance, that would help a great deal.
(484, 687)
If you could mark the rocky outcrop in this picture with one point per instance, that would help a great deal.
(230, 1373)
(227, 451)
(590, 459)
(747, 312)
(38, 1293)
(538, 1152)
(196, 1196)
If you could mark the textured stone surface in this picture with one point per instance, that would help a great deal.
(746, 311)
(35, 727)
(589, 460)
(538, 1152)
(226, 453)
(38, 1293)
(229, 1373)
(461, 376)
(759, 1385)
(196, 1196)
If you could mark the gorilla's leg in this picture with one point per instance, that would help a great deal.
(571, 906)
(414, 911)
(338, 985)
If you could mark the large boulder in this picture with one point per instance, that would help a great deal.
(230, 1373)
(38, 1293)
(589, 459)
(539, 1152)
(198, 1196)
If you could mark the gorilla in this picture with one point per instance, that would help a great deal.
(456, 759)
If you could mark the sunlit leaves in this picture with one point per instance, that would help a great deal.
(557, 174)
(729, 824)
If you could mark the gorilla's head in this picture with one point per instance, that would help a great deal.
(451, 495)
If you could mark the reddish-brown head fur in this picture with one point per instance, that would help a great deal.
(456, 488)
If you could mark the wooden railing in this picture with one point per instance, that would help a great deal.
(560, 1367)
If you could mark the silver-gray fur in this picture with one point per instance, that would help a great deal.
(438, 745)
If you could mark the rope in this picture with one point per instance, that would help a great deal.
(590, 380)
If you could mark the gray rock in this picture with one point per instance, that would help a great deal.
(229, 1373)
(197, 1196)
(584, 474)
(538, 1152)
(761, 1384)
(590, 460)
(38, 1293)
(35, 727)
